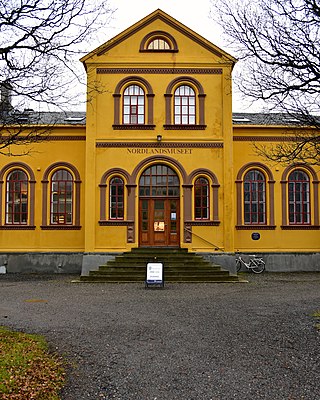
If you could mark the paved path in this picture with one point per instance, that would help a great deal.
(246, 341)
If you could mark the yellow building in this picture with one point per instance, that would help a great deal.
(159, 161)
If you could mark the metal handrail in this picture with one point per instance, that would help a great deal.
(205, 240)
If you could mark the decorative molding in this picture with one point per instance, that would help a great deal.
(115, 223)
(60, 227)
(17, 227)
(203, 223)
(187, 233)
(173, 127)
(191, 71)
(66, 137)
(263, 139)
(255, 227)
(139, 127)
(50, 138)
(300, 227)
(159, 145)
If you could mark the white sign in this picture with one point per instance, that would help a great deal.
(154, 272)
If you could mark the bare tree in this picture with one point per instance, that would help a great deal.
(278, 45)
(40, 42)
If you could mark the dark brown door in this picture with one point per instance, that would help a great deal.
(159, 222)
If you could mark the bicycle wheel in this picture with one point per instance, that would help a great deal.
(258, 266)
(238, 265)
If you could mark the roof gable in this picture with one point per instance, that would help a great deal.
(168, 20)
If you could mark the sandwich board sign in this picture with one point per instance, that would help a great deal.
(154, 274)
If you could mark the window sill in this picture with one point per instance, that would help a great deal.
(60, 227)
(300, 227)
(134, 127)
(17, 227)
(255, 227)
(185, 127)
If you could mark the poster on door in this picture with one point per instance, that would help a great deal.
(158, 226)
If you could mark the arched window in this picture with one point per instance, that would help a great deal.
(116, 198)
(254, 192)
(133, 105)
(158, 41)
(159, 180)
(61, 198)
(299, 198)
(158, 44)
(17, 198)
(184, 105)
(201, 199)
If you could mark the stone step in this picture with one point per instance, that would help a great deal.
(167, 272)
(179, 278)
(171, 269)
(179, 266)
(168, 264)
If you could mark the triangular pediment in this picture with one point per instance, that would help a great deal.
(152, 22)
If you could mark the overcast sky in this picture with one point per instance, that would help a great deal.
(194, 14)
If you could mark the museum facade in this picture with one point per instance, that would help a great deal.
(157, 160)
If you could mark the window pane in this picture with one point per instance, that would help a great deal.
(133, 105)
(184, 101)
(254, 197)
(61, 210)
(298, 197)
(16, 197)
(201, 198)
(116, 198)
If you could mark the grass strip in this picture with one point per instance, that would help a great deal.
(27, 369)
(316, 315)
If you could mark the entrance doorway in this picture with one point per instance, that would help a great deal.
(159, 207)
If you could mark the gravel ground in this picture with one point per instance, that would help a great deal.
(254, 340)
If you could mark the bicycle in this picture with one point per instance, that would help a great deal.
(255, 264)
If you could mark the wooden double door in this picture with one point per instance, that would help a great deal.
(159, 222)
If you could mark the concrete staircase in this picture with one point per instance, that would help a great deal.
(179, 266)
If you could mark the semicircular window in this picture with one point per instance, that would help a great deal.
(159, 181)
(158, 44)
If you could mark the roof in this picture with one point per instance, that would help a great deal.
(273, 119)
(31, 117)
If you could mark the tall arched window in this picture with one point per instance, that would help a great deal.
(61, 195)
(299, 197)
(133, 105)
(254, 192)
(184, 105)
(201, 199)
(116, 198)
(17, 197)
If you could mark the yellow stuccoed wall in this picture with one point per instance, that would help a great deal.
(279, 239)
(41, 156)
(100, 119)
